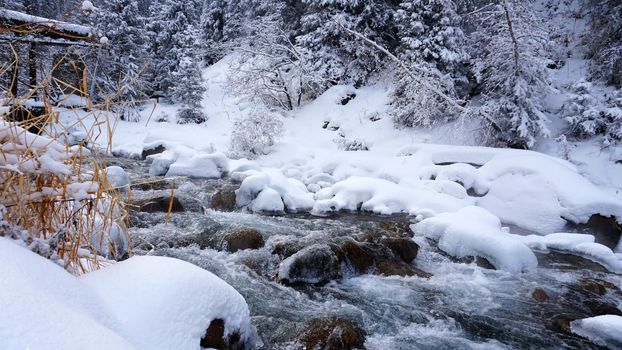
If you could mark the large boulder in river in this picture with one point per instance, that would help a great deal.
(405, 248)
(314, 264)
(332, 334)
(247, 238)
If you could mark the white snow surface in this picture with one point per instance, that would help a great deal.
(605, 330)
(422, 172)
(45, 307)
(474, 231)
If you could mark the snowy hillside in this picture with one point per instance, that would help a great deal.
(311, 174)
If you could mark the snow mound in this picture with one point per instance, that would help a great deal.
(184, 161)
(605, 330)
(474, 231)
(141, 303)
(385, 197)
(177, 299)
(117, 177)
(44, 307)
(269, 188)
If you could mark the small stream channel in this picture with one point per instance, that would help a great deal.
(463, 305)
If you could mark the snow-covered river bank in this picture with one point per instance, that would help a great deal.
(310, 279)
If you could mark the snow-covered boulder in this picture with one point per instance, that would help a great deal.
(184, 161)
(141, 303)
(576, 243)
(385, 197)
(177, 301)
(473, 231)
(605, 330)
(270, 190)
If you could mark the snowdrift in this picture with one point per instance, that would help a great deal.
(142, 303)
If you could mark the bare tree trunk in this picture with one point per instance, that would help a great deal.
(15, 73)
(32, 67)
(508, 19)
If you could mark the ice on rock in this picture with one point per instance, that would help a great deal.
(473, 231)
(605, 330)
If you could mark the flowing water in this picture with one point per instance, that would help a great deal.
(462, 306)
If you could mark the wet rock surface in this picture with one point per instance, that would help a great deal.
(243, 239)
(215, 338)
(332, 334)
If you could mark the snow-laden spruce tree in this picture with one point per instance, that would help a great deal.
(188, 88)
(605, 40)
(167, 21)
(334, 53)
(255, 133)
(120, 22)
(432, 44)
(212, 26)
(509, 66)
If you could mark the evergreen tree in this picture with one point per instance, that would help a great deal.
(188, 89)
(338, 56)
(212, 26)
(432, 44)
(120, 22)
(605, 41)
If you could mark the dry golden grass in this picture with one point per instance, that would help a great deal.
(63, 208)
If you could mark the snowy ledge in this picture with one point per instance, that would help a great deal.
(142, 303)
(531, 190)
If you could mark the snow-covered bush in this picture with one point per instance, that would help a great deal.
(414, 103)
(351, 144)
(255, 133)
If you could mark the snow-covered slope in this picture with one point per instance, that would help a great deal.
(421, 172)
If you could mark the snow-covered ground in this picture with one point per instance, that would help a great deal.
(424, 173)
(45, 307)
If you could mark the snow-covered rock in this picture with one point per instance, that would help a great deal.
(576, 243)
(141, 303)
(605, 330)
(473, 231)
(293, 193)
(117, 177)
(385, 197)
(177, 301)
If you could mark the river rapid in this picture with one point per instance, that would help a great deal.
(441, 303)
